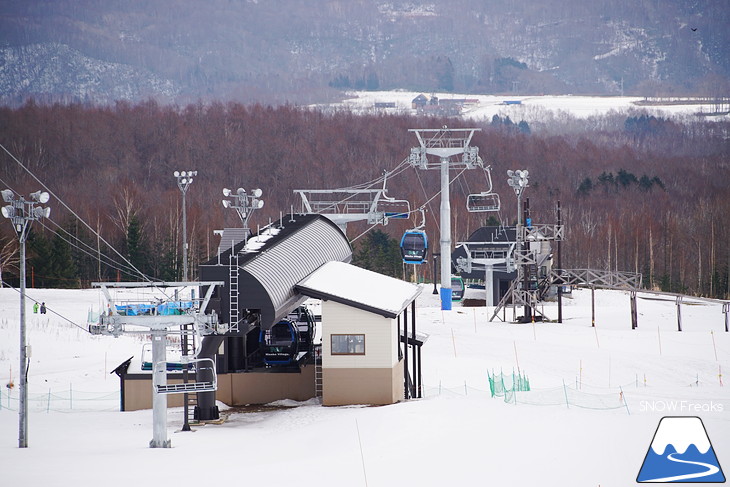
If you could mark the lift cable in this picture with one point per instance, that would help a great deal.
(4, 284)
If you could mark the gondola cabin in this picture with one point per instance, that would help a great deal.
(280, 344)
(414, 246)
(457, 288)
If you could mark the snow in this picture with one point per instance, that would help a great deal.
(456, 435)
(355, 284)
(531, 108)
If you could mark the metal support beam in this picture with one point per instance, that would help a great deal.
(159, 401)
(445, 239)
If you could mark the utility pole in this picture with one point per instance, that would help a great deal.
(21, 214)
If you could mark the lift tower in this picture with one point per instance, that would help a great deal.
(451, 148)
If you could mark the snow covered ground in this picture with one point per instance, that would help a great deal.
(456, 435)
(535, 108)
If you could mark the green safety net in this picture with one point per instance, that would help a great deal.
(502, 385)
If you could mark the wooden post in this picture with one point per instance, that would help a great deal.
(679, 313)
(593, 306)
(634, 314)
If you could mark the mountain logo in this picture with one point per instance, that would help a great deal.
(680, 452)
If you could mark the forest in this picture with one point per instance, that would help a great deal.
(638, 193)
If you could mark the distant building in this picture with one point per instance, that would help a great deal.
(384, 104)
(419, 102)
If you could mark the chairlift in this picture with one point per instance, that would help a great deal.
(280, 344)
(146, 363)
(482, 202)
(457, 288)
(196, 364)
(486, 200)
(414, 244)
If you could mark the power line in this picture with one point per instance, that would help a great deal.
(74, 213)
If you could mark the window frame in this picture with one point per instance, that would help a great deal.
(332, 348)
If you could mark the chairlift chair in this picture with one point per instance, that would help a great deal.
(482, 202)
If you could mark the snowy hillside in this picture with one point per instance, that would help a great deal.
(532, 109)
(597, 397)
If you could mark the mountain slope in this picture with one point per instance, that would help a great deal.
(293, 50)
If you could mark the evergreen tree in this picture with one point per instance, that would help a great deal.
(137, 251)
(40, 260)
(64, 270)
(379, 252)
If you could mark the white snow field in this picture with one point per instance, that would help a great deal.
(532, 108)
(456, 435)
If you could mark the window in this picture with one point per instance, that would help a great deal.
(348, 344)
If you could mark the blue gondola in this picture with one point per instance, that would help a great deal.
(280, 344)
(414, 246)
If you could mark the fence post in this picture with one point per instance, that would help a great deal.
(623, 398)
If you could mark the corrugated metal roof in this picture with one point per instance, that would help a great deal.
(280, 267)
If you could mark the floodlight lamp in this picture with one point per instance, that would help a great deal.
(510, 172)
(241, 192)
(525, 173)
(226, 204)
(257, 193)
(190, 180)
(47, 212)
(40, 196)
(39, 212)
(261, 204)
(184, 180)
(193, 173)
(8, 211)
(226, 192)
(176, 174)
(7, 195)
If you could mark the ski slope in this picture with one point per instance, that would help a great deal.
(456, 435)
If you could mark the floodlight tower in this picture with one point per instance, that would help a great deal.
(244, 204)
(184, 179)
(445, 144)
(21, 214)
(518, 181)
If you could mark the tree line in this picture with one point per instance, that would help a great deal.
(652, 202)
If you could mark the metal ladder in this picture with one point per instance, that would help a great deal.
(318, 378)
(188, 345)
(233, 287)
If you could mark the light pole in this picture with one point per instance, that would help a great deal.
(435, 256)
(21, 214)
(518, 181)
(243, 203)
(184, 178)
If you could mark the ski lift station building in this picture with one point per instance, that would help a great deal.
(367, 323)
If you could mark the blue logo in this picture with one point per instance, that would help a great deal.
(681, 452)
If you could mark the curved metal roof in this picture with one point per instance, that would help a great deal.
(272, 262)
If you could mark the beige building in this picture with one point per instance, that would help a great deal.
(365, 321)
